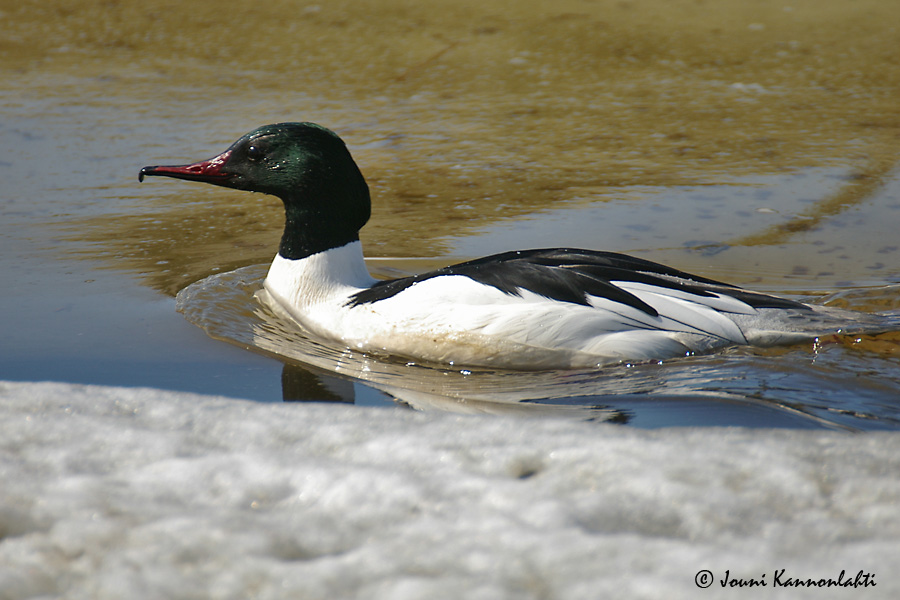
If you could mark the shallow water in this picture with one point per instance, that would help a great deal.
(812, 385)
(756, 145)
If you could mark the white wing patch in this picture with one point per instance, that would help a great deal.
(445, 310)
(683, 311)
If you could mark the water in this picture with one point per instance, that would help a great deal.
(752, 170)
(814, 385)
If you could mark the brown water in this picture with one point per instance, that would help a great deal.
(753, 142)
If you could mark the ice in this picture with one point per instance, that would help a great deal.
(141, 493)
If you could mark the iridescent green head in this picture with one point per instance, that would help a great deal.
(325, 196)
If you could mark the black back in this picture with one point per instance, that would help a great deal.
(571, 275)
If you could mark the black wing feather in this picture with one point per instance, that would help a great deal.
(570, 275)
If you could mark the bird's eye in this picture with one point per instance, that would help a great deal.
(254, 153)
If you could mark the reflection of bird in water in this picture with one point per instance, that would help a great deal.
(302, 384)
(308, 384)
(531, 309)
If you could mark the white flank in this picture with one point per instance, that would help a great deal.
(454, 319)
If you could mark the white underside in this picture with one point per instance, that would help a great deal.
(455, 320)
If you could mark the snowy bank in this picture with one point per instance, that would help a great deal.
(140, 493)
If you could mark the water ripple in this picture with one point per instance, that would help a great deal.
(814, 385)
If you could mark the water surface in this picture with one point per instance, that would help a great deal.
(756, 144)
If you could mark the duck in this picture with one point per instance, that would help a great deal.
(545, 308)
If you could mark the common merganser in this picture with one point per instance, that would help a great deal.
(529, 309)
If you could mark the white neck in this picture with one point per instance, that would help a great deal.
(301, 283)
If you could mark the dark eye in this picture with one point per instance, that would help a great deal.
(254, 153)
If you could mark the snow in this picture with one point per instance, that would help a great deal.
(140, 493)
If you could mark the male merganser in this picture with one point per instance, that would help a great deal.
(529, 309)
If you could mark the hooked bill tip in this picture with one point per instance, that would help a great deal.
(144, 172)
